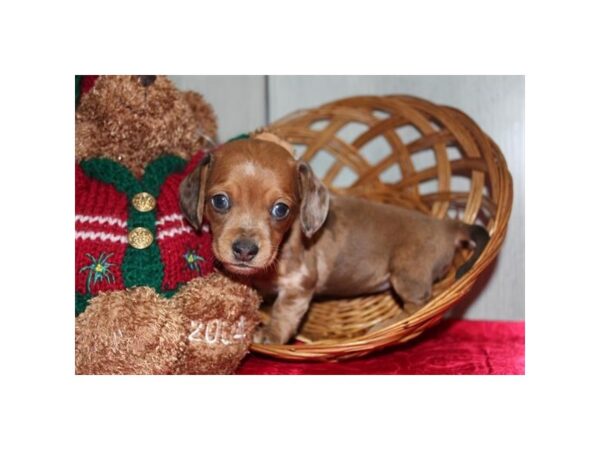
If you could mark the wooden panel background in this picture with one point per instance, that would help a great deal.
(496, 103)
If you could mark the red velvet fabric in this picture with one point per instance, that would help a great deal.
(454, 347)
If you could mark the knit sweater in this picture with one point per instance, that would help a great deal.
(106, 213)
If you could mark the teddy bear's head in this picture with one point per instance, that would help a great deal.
(134, 119)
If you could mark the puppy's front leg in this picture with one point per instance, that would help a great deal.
(286, 315)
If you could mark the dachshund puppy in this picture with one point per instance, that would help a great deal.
(275, 224)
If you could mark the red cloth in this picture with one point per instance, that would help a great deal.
(178, 237)
(455, 347)
(100, 233)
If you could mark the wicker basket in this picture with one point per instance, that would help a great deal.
(380, 146)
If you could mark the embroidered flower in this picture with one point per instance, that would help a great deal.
(98, 270)
(192, 258)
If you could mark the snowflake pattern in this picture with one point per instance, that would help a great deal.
(98, 270)
(192, 260)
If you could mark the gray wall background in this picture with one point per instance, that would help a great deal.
(496, 103)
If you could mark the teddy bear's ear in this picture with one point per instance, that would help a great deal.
(192, 192)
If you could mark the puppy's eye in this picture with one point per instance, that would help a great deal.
(280, 211)
(220, 202)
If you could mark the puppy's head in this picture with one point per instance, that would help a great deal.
(251, 192)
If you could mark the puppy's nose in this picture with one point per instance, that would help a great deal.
(244, 249)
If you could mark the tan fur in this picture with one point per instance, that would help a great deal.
(329, 244)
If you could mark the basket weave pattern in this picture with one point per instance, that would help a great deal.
(410, 152)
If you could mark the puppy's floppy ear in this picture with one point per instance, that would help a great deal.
(315, 200)
(192, 191)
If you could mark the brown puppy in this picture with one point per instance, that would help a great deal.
(274, 222)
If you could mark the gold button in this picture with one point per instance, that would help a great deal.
(140, 238)
(143, 202)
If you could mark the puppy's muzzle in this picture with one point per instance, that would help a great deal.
(244, 249)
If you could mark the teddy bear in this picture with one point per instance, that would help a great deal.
(147, 297)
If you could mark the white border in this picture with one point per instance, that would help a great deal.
(47, 43)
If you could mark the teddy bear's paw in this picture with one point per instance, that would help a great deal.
(129, 332)
(221, 315)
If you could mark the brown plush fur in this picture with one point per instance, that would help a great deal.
(139, 332)
(129, 332)
(133, 124)
(219, 304)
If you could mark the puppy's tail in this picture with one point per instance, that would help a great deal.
(477, 237)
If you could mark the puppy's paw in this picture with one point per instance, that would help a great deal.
(420, 297)
(263, 335)
(412, 290)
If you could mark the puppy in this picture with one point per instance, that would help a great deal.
(275, 224)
